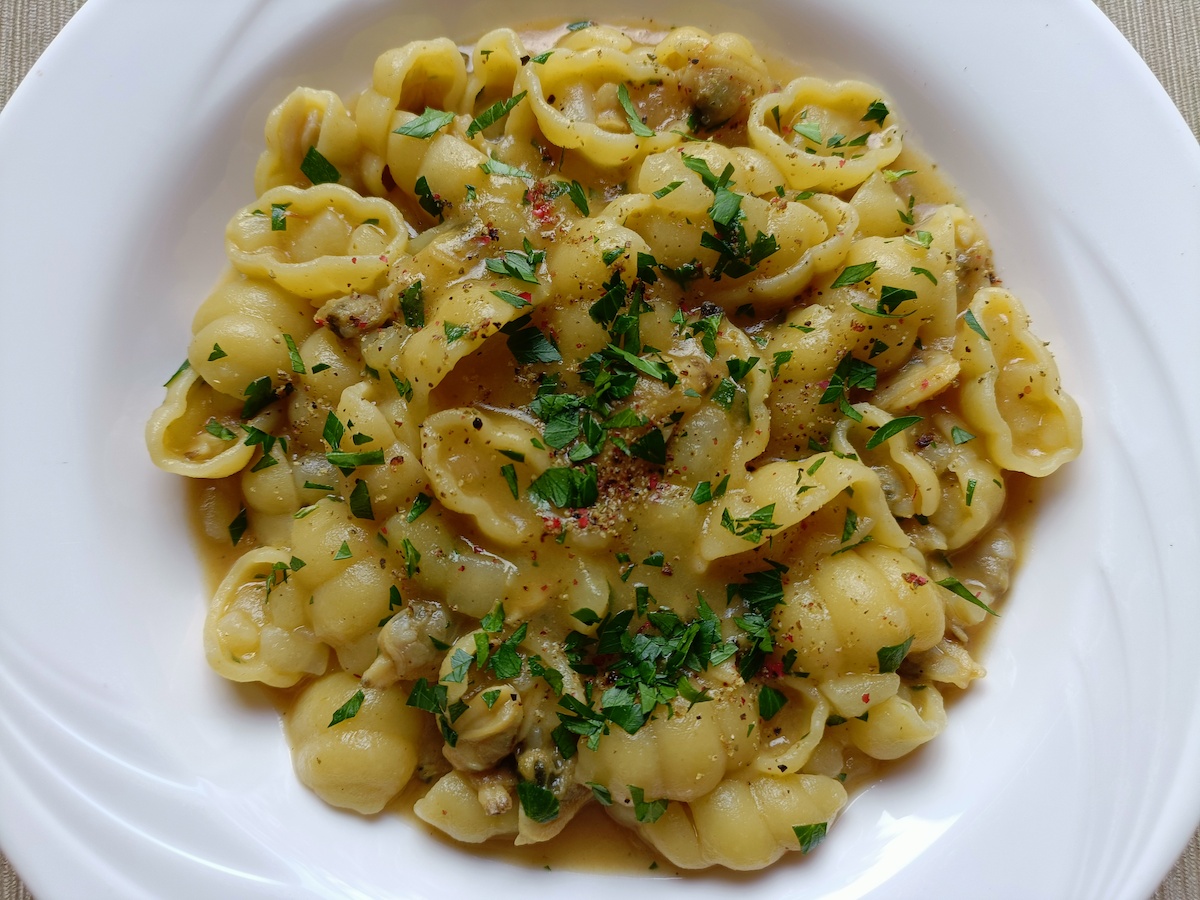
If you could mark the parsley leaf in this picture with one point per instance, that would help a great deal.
(957, 587)
(538, 802)
(430, 202)
(770, 701)
(360, 501)
(427, 124)
(518, 264)
(238, 526)
(493, 114)
(636, 125)
(318, 169)
(294, 355)
(567, 487)
(855, 274)
(891, 657)
(495, 167)
(876, 112)
(973, 324)
(890, 429)
(578, 196)
(810, 836)
(647, 812)
(529, 345)
(752, 526)
(412, 305)
(509, 472)
(347, 710)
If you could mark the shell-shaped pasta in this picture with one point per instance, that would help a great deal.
(418, 75)
(796, 730)
(335, 364)
(495, 61)
(712, 442)
(234, 351)
(448, 164)
(927, 373)
(573, 95)
(812, 236)
(453, 806)
(895, 303)
(318, 242)
(812, 112)
(842, 610)
(948, 663)
(721, 74)
(1011, 391)
(365, 759)
(879, 208)
(458, 320)
(909, 482)
(972, 488)
(901, 723)
(984, 568)
(808, 346)
(252, 633)
(744, 824)
(258, 299)
(272, 490)
(307, 119)
(176, 436)
(678, 757)
(793, 492)
(464, 463)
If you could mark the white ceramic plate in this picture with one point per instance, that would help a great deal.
(127, 769)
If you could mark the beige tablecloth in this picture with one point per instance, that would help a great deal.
(1165, 32)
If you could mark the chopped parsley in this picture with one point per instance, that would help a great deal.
(704, 491)
(636, 125)
(537, 802)
(890, 429)
(528, 344)
(427, 124)
(509, 473)
(493, 114)
(770, 701)
(317, 169)
(430, 202)
(646, 811)
(973, 324)
(960, 435)
(567, 487)
(412, 306)
(238, 526)
(955, 586)
(495, 167)
(810, 836)
(751, 527)
(850, 373)
(518, 264)
(891, 657)
(854, 274)
(347, 710)
(360, 501)
(876, 112)
(578, 196)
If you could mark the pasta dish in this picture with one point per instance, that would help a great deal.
(606, 421)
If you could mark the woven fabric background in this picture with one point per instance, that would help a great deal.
(1165, 32)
